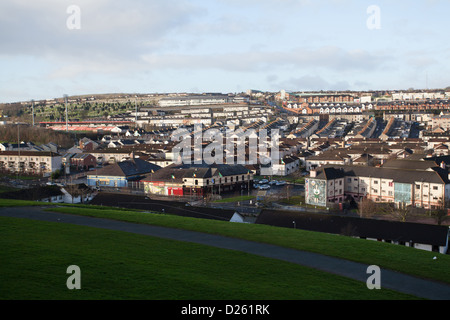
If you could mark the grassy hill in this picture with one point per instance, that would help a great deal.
(117, 265)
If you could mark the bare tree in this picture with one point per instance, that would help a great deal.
(441, 214)
(400, 212)
(366, 208)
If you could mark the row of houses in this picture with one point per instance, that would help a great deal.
(312, 108)
(417, 183)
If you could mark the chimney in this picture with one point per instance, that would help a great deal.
(313, 173)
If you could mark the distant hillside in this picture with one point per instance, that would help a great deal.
(37, 135)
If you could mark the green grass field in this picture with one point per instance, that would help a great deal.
(36, 251)
(119, 265)
(400, 258)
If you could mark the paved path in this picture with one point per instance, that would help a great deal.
(389, 279)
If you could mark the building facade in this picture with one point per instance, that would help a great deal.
(198, 180)
(425, 188)
(31, 162)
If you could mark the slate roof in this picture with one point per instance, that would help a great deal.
(432, 175)
(409, 164)
(126, 168)
(203, 171)
(34, 194)
(368, 228)
(29, 153)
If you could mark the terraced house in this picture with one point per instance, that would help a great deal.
(412, 183)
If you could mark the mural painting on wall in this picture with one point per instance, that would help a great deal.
(315, 192)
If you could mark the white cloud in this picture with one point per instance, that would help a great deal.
(329, 58)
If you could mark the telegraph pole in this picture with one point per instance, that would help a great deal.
(67, 120)
(18, 148)
(32, 110)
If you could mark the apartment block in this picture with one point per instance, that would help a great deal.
(32, 162)
(426, 185)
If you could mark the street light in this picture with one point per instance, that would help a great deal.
(294, 224)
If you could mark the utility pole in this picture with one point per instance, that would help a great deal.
(32, 110)
(18, 146)
(67, 120)
(135, 110)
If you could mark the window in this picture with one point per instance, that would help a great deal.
(196, 182)
(375, 182)
(417, 187)
(435, 188)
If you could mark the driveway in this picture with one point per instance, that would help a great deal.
(389, 279)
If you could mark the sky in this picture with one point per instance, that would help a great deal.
(49, 48)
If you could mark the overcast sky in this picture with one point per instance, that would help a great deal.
(136, 46)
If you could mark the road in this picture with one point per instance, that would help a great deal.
(389, 279)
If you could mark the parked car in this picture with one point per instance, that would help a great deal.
(264, 187)
(281, 183)
(263, 181)
(273, 182)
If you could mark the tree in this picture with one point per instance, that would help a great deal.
(56, 174)
(366, 208)
(441, 214)
(400, 212)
